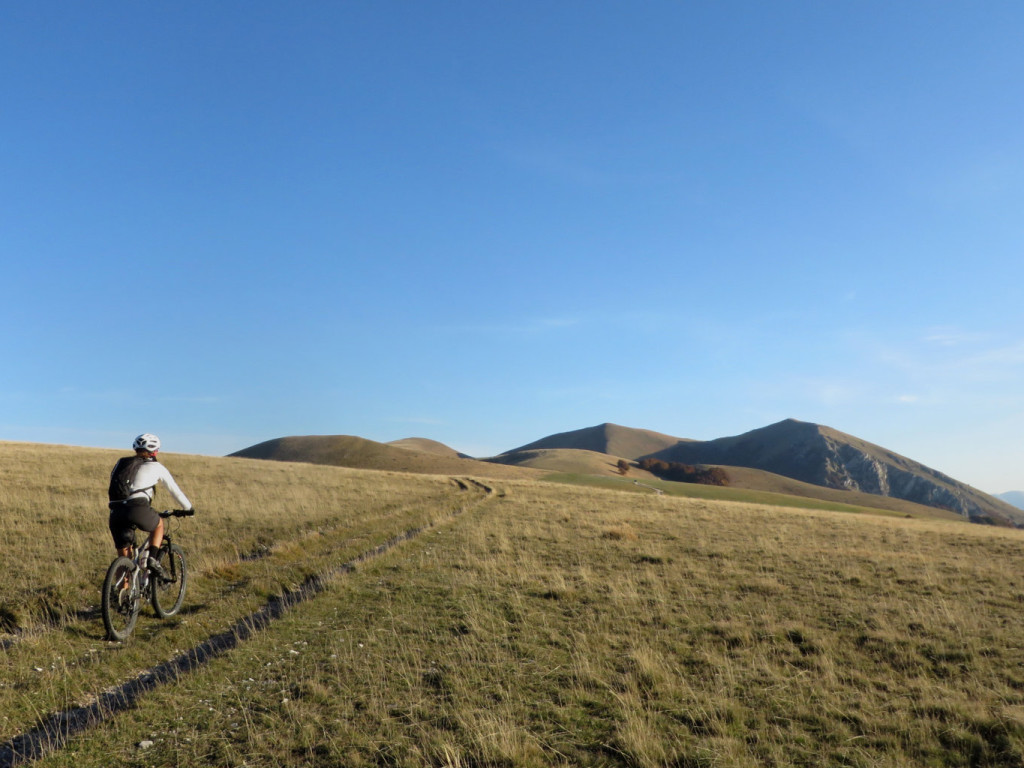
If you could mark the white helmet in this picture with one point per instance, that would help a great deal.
(147, 442)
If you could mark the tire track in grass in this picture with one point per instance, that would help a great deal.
(58, 621)
(53, 732)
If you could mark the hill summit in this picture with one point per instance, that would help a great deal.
(409, 455)
(606, 438)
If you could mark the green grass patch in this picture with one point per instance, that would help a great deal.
(714, 493)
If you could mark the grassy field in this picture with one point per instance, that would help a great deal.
(543, 624)
(791, 493)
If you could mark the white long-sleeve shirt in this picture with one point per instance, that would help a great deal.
(145, 481)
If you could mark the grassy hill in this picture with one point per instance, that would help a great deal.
(430, 457)
(612, 439)
(744, 483)
(506, 622)
(359, 453)
(805, 452)
(569, 460)
(760, 480)
(427, 445)
(773, 459)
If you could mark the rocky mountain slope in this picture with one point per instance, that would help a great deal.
(810, 453)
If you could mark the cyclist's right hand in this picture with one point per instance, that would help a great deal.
(178, 513)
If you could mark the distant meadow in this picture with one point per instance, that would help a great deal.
(474, 621)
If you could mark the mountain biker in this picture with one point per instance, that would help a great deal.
(134, 510)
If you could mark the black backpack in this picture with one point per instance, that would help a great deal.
(121, 477)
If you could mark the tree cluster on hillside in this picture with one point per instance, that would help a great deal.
(685, 473)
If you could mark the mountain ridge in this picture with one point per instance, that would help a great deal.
(809, 454)
(826, 457)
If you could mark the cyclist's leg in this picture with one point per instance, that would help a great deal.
(123, 533)
(122, 530)
(141, 515)
(156, 538)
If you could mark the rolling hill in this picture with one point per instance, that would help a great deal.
(359, 453)
(612, 439)
(579, 462)
(792, 457)
(827, 457)
(814, 456)
(570, 460)
(761, 480)
(425, 445)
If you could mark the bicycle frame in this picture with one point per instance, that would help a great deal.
(139, 553)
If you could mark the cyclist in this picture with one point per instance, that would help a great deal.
(133, 482)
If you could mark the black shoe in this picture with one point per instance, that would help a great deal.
(157, 570)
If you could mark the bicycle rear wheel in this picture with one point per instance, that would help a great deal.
(169, 595)
(120, 600)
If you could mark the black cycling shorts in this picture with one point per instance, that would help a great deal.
(126, 516)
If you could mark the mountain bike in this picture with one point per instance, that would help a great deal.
(128, 583)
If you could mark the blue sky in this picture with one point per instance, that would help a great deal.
(486, 222)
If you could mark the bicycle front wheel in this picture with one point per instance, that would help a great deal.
(169, 595)
(120, 599)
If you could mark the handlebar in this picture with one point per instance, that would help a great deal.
(177, 513)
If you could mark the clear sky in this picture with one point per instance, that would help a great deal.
(484, 222)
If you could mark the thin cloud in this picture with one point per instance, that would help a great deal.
(984, 364)
(950, 368)
(949, 336)
(1010, 355)
(947, 352)
(833, 393)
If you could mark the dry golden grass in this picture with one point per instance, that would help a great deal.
(571, 460)
(53, 517)
(262, 528)
(553, 625)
